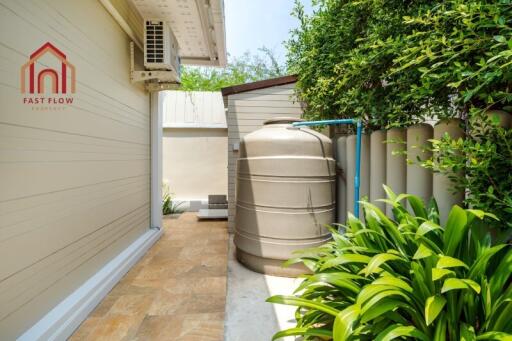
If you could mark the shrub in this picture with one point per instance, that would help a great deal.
(485, 158)
(343, 55)
(462, 48)
(407, 278)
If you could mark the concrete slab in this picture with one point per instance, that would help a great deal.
(248, 316)
(210, 213)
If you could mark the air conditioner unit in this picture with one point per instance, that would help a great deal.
(160, 48)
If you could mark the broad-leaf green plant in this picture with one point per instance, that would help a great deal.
(405, 278)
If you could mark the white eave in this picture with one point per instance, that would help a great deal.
(198, 25)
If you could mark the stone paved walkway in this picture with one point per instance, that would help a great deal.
(177, 291)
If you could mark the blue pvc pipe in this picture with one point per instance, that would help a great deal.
(359, 130)
(357, 177)
(325, 122)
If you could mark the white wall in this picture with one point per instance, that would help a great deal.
(75, 182)
(195, 162)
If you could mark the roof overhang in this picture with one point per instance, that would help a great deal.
(198, 25)
(267, 83)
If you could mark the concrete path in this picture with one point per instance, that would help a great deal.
(248, 316)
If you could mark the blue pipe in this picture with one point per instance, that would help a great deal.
(359, 130)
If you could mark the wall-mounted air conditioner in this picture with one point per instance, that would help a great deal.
(160, 48)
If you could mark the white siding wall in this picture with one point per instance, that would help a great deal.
(74, 182)
(246, 113)
(193, 109)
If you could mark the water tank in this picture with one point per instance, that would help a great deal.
(285, 195)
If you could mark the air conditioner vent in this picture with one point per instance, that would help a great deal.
(154, 41)
(160, 47)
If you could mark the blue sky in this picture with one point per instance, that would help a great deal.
(251, 24)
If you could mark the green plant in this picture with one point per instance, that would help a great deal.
(344, 54)
(239, 70)
(169, 205)
(463, 50)
(484, 156)
(407, 278)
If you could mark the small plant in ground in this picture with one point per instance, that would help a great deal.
(407, 278)
(169, 205)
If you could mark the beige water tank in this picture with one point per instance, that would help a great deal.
(285, 195)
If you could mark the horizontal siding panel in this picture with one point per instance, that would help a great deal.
(41, 236)
(281, 89)
(233, 134)
(253, 116)
(270, 104)
(243, 129)
(250, 96)
(35, 279)
(269, 110)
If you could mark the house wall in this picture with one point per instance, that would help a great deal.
(74, 182)
(195, 162)
(246, 113)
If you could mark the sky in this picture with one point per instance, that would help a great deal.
(251, 24)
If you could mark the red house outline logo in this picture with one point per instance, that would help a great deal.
(48, 72)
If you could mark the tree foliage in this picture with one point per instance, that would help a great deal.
(395, 62)
(463, 49)
(343, 55)
(247, 68)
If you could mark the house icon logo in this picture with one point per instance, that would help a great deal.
(38, 79)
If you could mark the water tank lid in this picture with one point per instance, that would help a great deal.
(282, 120)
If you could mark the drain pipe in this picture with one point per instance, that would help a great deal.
(359, 130)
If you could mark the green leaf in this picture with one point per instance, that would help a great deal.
(467, 333)
(440, 331)
(437, 273)
(417, 206)
(445, 262)
(399, 331)
(501, 275)
(338, 279)
(371, 294)
(393, 282)
(422, 252)
(480, 266)
(456, 227)
(345, 259)
(457, 284)
(500, 39)
(389, 193)
(344, 322)
(497, 336)
(433, 306)
(378, 260)
(383, 306)
(304, 332)
(427, 227)
(301, 302)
